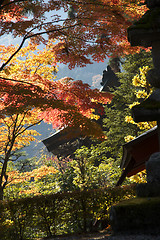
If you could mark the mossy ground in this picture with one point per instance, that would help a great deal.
(138, 214)
(140, 201)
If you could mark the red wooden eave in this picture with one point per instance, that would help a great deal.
(137, 152)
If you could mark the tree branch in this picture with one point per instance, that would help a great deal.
(19, 127)
(52, 30)
(19, 81)
(30, 36)
(10, 3)
(10, 58)
(29, 127)
(6, 180)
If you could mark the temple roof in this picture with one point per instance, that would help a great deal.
(64, 142)
(137, 152)
(109, 80)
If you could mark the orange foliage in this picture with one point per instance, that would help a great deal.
(94, 30)
(80, 98)
(62, 102)
(29, 94)
(18, 177)
(28, 180)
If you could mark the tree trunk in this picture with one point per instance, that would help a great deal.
(1, 193)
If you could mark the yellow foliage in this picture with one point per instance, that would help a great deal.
(140, 79)
(143, 91)
(30, 60)
(15, 128)
(146, 125)
(129, 138)
(18, 177)
(133, 104)
(136, 81)
(129, 119)
(8, 223)
(141, 94)
(139, 177)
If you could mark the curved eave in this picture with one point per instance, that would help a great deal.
(135, 148)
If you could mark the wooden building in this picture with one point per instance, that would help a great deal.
(137, 152)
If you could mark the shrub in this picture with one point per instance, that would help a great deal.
(60, 213)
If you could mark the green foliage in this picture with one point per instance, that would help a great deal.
(124, 95)
(65, 179)
(61, 213)
(26, 164)
(99, 165)
(94, 170)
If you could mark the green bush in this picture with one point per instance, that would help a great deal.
(61, 213)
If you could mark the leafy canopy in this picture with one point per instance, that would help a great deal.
(30, 94)
(86, 30)
(28, 82)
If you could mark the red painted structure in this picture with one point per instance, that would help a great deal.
(137, 152)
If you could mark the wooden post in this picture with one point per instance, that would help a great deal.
(158, 128)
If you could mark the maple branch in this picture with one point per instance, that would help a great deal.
(33, 35)
(10, 3)
(5, 182)
(11, 139)
(43, 24)
(9, 133)
(57, 21)
(10, 58)
(19, 127)
(28, 35)
(74, 37)
(60, 30)
(29, 127)
(7, 155)
(52, 30)
(19, 81)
